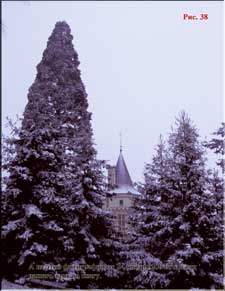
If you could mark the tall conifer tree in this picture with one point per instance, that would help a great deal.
(217, 144)
(142, 252)
(54, 192)
(188, 229)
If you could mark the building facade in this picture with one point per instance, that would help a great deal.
(121, 197)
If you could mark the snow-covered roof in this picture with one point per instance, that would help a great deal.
(123, 180)
(125, 190)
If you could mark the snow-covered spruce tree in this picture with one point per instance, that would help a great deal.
(143, 266)
(157, 188)
(54, 191)
(196, 225)
(216, 176)
(8, 154)
(188, 230)
(217, 144)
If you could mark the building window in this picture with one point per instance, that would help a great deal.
(121, 202)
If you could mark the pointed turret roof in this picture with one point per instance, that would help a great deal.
(123, 180)
(122, 175)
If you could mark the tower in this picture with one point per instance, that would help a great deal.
(121, 194)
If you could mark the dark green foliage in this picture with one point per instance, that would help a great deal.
(183, 222)
(53, 207)
(52, 202)
(217, 144)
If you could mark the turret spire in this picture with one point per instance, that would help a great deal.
(120, 142)
(123, 182)
(122, 174)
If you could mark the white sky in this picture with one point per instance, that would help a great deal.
(141, 64)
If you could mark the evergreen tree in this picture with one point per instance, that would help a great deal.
(144, 265)
(188, 229)
(54, 192)
(158, 186)
(216, 179)
(217, 144)
(197, 225)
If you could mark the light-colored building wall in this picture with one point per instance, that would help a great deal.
(121, 200)
(118, 201)
(120, 205)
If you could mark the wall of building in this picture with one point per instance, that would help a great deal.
(118, 201)
(120, 205)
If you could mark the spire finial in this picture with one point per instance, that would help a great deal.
(120, 142)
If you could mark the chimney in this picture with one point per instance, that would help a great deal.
(111, 176)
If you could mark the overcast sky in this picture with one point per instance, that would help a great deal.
(141, 64)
